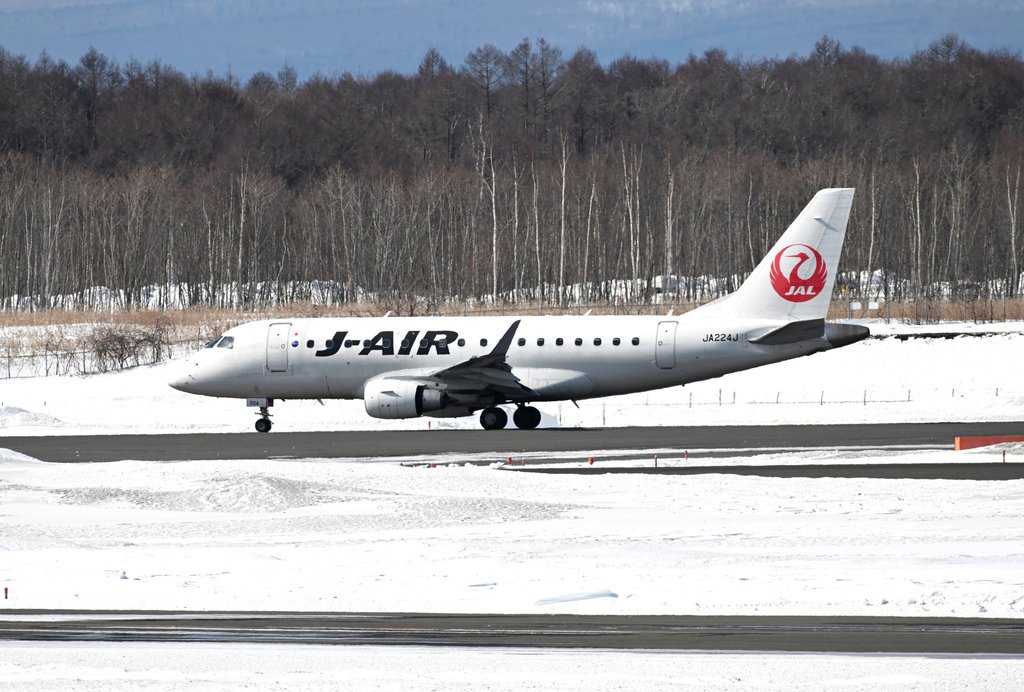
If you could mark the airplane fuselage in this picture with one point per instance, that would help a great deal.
(556, 357)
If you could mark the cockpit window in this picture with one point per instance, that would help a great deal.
(212, 343)
(227, 342)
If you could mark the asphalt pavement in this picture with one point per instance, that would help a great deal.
(498, 444)
(665, 632)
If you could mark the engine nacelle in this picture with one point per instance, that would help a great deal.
(395, 398)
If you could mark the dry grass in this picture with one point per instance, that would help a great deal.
(928, 312)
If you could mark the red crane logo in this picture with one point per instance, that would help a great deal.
(806, 278)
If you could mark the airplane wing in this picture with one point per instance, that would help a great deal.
(480, 378)
(481, 374)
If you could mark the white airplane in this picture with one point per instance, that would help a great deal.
(404, 367)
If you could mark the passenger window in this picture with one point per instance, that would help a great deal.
(461, 342)
(559, 341)
(540, 342)
(226, 342)
(366, 343)
(406, 344)
(579, 342)
(521, 342)
(483, 342)
(309, 344)
(329, 344)
(349, 343)
(616, 341)
(597, 341)
(636, 341)
(387, 343)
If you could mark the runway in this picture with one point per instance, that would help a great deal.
(495, 445)
(665, 632)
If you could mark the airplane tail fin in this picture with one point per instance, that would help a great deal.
(794, 281)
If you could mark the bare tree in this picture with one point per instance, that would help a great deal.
(486, 68)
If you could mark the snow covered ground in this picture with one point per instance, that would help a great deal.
(349, 536)
(60, 667)
(330, 535)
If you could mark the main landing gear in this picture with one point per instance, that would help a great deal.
(525, 418)
(493, 418)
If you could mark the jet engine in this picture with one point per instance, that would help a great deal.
(395, 398)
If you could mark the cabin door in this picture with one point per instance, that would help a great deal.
(665, 346)
(277, 347)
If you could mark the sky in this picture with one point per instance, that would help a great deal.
(365, 37)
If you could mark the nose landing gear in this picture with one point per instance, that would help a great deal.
(263, 424)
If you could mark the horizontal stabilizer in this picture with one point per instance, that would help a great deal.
(788, 333)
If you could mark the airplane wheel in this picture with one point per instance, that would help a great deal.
(263, 425)
(526, 417)
(493, 418)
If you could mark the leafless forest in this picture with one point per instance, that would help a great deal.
(520, 176)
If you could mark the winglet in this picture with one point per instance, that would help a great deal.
(501, 348)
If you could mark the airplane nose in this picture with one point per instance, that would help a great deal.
(182, 380)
